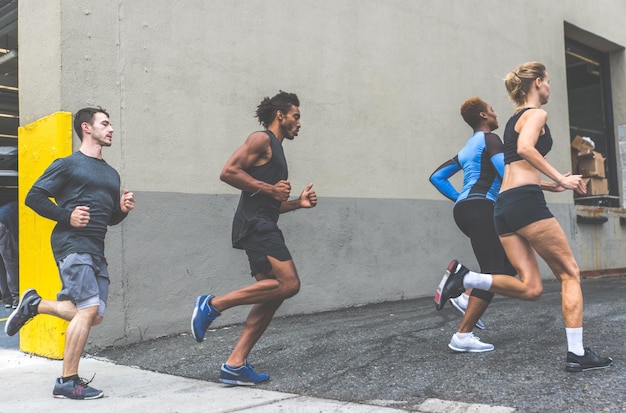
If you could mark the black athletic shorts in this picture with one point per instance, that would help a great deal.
(518, 207)
(266, 240)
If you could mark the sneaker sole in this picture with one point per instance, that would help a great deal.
(577, 368)
(240, 383)
(462, 350)
(237, 382)
(193, 317)
(62, 396)
(14, 313)
(438, 304)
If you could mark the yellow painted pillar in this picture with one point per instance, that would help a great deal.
(40, 143)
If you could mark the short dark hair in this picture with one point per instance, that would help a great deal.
(283, 101)
(471, 109)
(86, 115)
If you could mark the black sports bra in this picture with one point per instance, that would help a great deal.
(543, 145)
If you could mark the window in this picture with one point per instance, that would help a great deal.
(590, 116)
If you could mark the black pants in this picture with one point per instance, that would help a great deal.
(475, 218)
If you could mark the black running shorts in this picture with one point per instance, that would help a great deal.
(266, 240)
(518, 207)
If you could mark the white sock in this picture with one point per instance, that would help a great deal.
(462, 336)
(575, 341)
(478, 280)
(464, 299)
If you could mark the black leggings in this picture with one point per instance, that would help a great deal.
(475, 218)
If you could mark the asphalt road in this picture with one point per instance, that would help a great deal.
(396, 354)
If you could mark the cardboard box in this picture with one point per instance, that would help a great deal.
(595, 186)
(592, 165)
(582, 147)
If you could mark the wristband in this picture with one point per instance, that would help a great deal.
(259, 190)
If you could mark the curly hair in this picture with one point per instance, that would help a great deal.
(519, 82)
(471, 109)
(283, 101)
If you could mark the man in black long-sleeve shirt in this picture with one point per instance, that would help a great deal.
(87, 194)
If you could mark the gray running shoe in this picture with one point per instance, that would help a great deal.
(471, 344)
(25, 311)
(76, 389)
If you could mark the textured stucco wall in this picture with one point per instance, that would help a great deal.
(380, 85)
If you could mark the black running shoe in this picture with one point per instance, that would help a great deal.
(451, 285)
(590, 361)
(25, 311)
(77, 389)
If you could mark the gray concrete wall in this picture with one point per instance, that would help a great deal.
(346, 251)
(621, 134)
(380, 85)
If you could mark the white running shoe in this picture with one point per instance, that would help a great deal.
(470, 344)
(461, 304)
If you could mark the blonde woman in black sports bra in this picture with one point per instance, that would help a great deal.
(524, 222)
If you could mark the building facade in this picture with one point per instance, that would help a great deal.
(380, 85)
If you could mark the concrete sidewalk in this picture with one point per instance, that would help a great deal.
(28, 380)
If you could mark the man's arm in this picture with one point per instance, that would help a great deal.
(255, 151)
(127, 204)
(39, 201)
(38, 198)
(307, 199)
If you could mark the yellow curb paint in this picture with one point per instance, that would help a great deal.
(40, 143)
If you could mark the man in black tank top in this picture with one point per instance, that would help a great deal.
(259, 169)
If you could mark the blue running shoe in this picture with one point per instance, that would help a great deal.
(241, 376)
(203, 315)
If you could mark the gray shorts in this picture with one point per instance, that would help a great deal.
(85, 279)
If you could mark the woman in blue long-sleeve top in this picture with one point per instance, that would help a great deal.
(482, 163)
